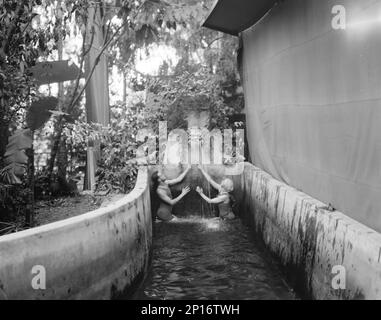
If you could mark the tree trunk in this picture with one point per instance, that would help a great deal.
(4, 134)
(62, 159)
(29, 213)
(55, 147)
(124, 87)
(58, 146)
(61, 148)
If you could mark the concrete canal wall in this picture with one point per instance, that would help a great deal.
(313, 244)
(103, 254)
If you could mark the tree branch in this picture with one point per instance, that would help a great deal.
(7, 38)
(84, 54)
(97, 59)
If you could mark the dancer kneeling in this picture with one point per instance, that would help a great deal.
(161, 188)
(224, 200)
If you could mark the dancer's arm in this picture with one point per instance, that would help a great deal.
(164, 197)
(216, 200)
(179, 178)
(214, 184)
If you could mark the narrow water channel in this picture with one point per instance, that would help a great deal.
(198, 258)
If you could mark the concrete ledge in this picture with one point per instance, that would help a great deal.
(310, 241)
(99, 255)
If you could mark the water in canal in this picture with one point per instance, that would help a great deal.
(198, 258)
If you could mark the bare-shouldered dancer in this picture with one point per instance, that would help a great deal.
(224, 198)
(161, 187)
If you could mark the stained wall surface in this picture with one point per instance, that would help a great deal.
(326, 255)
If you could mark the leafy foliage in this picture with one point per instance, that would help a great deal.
(154, 21)
(205, 77)
(20, 47)
(191, 88)
(117, 167)
(13, 200)
(15, 159)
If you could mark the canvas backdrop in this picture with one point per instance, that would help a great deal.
(313, 102)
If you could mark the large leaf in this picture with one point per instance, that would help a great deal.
(18, 156)
(10, 174)
(20, 140)
(40, 111)
(15, 158)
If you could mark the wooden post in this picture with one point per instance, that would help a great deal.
(29, 213)
(91, 169)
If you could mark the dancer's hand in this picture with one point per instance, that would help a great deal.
(199, 190)
(185, 191)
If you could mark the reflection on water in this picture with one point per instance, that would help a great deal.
(197, 258)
